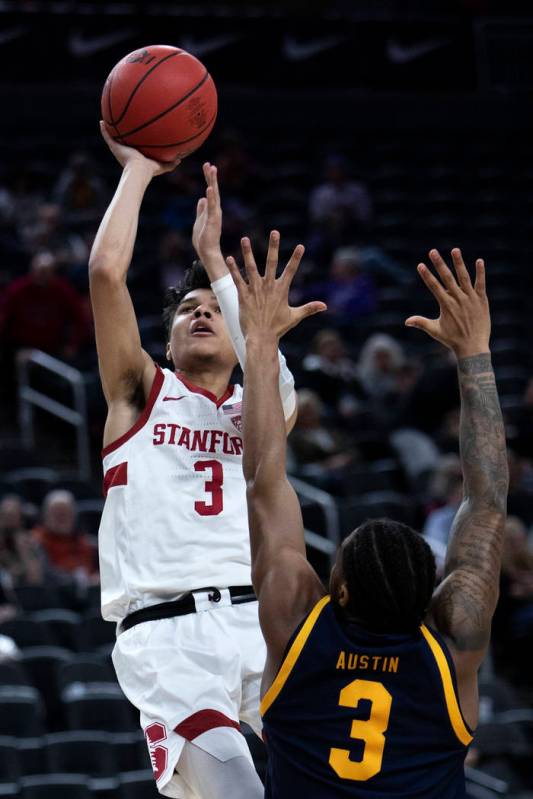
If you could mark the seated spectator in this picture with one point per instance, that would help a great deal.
(446, 489)
(332, 373)
(21, 557)
(339, 201)
(79, 190)
(520, 497)
(348, 291)
(49, 232)
(69, 550)
(41, 310)
(379, 366)
(522, 420)
(318, 452)
(512, 627)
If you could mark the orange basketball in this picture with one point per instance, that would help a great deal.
(160, 100)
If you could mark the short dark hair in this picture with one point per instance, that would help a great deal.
(390, 573)
(195, 278)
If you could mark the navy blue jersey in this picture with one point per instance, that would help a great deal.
(353, 713)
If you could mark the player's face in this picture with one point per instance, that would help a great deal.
(199, 333)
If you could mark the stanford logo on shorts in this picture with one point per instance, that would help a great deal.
(156, 733)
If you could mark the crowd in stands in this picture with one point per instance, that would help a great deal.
(378, 405)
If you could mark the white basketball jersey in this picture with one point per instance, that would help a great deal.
(175, 516)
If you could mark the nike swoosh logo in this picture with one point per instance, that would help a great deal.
(399, 53)
(12, 33)
(83, 46)
(167, 399)
(200, 47)
(294, 50)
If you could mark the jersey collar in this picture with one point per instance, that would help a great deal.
(204, 392)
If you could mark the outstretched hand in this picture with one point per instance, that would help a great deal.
(464, 321)
(264, 301)
(208, 224)
(126, 155)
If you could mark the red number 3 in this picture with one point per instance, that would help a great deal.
(213, 487)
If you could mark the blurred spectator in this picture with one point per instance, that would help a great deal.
(69, 550)
(512, 629)
(435, 393)
(379, 365)
(79, 190)
(318, 452)
(520, 498)
(173, 257)
(446, 488)
(522, 419)
(339, 202)
(42, 310)
(348, 291)
(21, 557)
(332, 373)
(48, 232)
(237, 171)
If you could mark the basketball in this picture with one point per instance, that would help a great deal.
(160, 100)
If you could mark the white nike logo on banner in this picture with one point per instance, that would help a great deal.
(294, 50)
(82, 46)
(404, 53)
(200, 47)
(12, 33)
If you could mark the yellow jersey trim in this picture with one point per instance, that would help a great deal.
(452, 703)
(292, 655)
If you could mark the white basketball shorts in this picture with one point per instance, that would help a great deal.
(193, 678)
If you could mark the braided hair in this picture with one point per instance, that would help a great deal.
(195, 278)
(390, 574)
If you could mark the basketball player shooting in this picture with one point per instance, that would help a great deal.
(173, 540)
(371, 690)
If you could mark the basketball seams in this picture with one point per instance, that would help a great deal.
(141, 81)
(171, 144)
(167, 110)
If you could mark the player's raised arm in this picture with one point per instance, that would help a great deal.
(122, 361)
(206, 241)
(465, 601)
(285, 583)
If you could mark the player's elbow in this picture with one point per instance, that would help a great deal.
(104, 270)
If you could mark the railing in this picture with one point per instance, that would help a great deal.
(329, 543)
(29, 398)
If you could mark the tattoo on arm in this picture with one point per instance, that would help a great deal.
(466, 602)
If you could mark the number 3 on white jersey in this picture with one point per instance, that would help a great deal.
(212, 486)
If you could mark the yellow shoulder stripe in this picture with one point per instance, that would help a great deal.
(292, 655)
(452, 703)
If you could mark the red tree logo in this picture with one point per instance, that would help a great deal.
(156, 733)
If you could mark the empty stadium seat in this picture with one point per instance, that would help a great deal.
(62, 626)
(55, 786)
(130, 751)
(26, 632)
(32, 756)
(9, 759)
(138, 785)
(96, 633)
(42, 663)
(32, 483)
(21, 711)
(86, 668)
(9, 790)
(89, 707)
(81, 752)
(38, 597)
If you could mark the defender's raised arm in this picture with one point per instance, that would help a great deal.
(465, 601)
(284, 581)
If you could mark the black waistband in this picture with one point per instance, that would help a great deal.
(180, 607)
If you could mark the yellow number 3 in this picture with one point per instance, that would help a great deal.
(370, 731)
